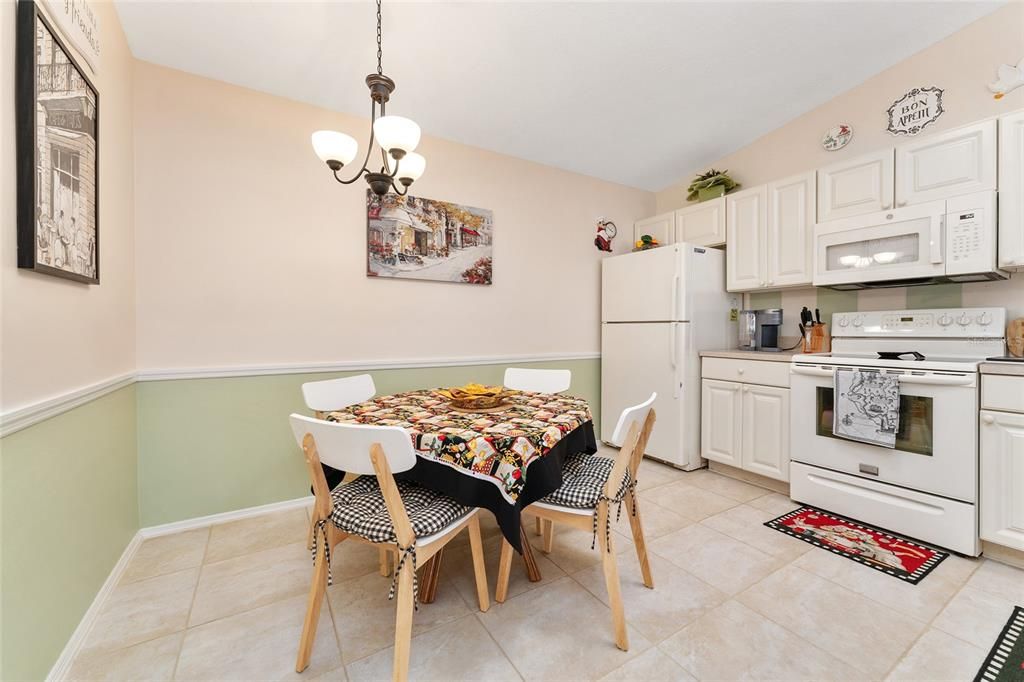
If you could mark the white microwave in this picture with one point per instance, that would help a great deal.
(952, 240)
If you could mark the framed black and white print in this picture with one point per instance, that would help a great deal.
(57, 133)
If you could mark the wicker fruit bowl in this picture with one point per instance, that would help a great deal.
(476, 397)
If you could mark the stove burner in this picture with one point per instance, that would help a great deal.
(893, 355)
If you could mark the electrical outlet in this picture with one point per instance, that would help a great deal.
(734, 314)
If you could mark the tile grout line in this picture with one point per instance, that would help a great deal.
(192, 603)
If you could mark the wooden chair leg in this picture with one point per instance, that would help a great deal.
(385, 565)
(430, 575)
(476, 545)
(638, 540)
(549, 536)
(539, 525)
(504, 569)
(403, 624)
(316, 599)
(611, 582)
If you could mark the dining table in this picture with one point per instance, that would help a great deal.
(501, 459)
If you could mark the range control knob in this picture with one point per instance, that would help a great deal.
(963, 320)
(843, 321)
(984, 319)
(858, 321)
(945, 320)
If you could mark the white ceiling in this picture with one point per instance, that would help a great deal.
(636, 93)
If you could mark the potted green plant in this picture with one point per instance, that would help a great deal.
(710, 185)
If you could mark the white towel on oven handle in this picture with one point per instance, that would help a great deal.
(866, 406)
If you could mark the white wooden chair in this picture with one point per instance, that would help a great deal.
(583, 505)
(336, 394)
(537, 380)
(413, 522)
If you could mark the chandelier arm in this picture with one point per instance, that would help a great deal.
(397, 191)
(369, 150)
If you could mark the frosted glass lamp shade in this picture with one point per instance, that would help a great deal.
(333, 146)
(396, 132)
(411, 167)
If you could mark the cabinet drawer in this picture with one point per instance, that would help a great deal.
(1002, 393)
(767, 373)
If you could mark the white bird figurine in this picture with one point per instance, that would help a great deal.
(1009, 78)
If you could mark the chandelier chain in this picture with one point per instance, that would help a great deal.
(380, 69)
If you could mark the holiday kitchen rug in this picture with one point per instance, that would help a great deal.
(882, 551)
(1005, 663)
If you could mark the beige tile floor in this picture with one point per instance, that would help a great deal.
(732, 600)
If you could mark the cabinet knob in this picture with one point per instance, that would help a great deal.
(762, 283)
(740, 370)
(746, 389)
(988, 419)
(902, 203)
(771, 281)
(886, 207)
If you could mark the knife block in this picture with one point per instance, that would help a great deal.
(816, 340)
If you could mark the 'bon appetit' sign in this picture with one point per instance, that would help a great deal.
(911, 113)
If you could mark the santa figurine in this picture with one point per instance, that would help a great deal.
(606, 231)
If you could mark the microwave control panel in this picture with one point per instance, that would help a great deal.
(970, 234)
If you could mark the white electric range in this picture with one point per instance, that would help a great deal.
(927, 486)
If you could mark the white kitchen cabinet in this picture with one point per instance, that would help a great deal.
(790, 233)
(745, 423)
(857, 186)
(746, 215)
(720, 425)
(959, 161)
(661, 227)
(1002, 478)
(765, 426)
(702, 224)
(1011, 190)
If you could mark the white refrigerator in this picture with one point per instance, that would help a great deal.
(659, 308)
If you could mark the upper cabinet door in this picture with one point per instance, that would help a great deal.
(955, 162)
(791, 231)
(661, 227)
(1011, 190)
(855, 187)
(745, 215)
(703, 224)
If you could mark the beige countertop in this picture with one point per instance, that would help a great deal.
(1011, 368)
(735, 354)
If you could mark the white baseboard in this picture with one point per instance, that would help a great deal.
(61, 668)
(223, 517)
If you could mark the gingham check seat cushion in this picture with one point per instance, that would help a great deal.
(359, 509)
(583, 479)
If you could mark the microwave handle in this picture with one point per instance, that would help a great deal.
(936, 240)
(935, 380)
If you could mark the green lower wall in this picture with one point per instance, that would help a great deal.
(214, 445)
(69, 508)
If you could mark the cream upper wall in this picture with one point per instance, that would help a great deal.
(249, 253)
(962, 64)
(59, 335)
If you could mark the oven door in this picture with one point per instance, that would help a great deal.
(936, 444)
(905, 243)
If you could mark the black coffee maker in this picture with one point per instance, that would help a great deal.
(759, 329)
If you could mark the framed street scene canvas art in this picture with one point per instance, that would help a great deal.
(415, 238)
(57, 149)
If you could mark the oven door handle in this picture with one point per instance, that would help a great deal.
(931, 379)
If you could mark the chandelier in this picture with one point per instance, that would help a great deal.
(396, 136)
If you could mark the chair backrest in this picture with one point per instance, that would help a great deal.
(359, 449)
(537, 380)
(347, 446)
(335, 394)
(637, 422)
(629, 415)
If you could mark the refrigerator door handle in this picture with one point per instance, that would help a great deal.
(675, 365)
(675, 303)
(672, 347)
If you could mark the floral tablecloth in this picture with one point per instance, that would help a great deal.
(497, 448)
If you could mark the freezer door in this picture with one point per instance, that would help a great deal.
(644, 286)
(638, 359)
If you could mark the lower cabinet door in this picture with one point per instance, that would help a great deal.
(1002, 478)
(765, 411)
(720, 421)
